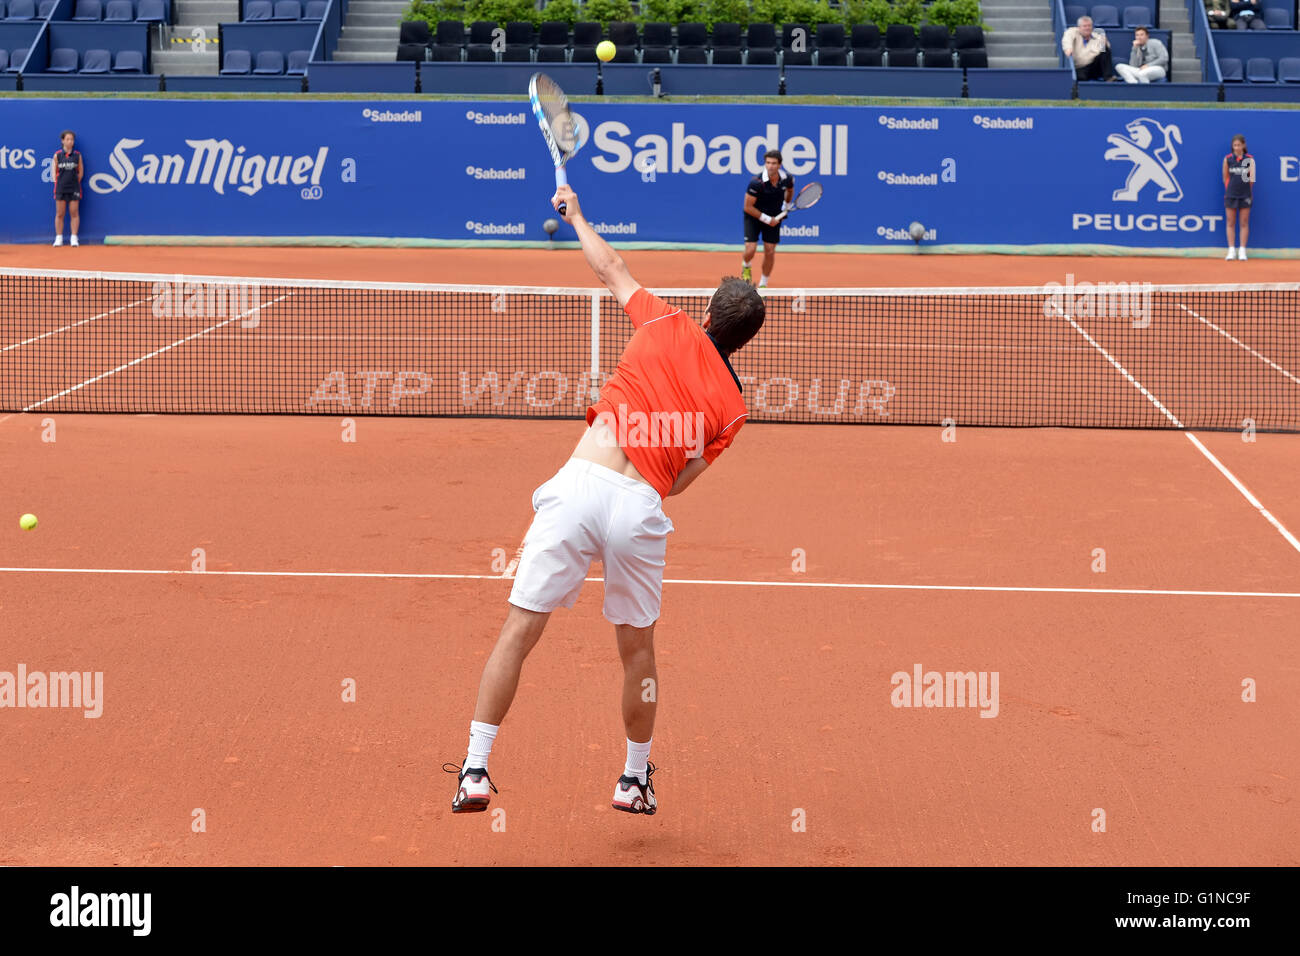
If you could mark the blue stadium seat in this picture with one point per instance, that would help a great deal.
(1259, 69)
(63, 60)
(257, 10)
(287, 10)
(119, 11)
(1072, 14)
(1104, 15)
(128, 61)
(1288, 69)
(2, 13)
(21, 10)
(150, 11)
(1276, 19)
(44, 10)
(16, 58)
(88, 10)
(96, 61)
(316, 10)
(297, 63)
(1138, 17)
(238, 63)
(269, 63)
(1230, 67)
(4, 59)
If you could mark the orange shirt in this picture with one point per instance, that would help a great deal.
(673, 396)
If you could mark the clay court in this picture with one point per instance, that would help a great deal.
(811, 564)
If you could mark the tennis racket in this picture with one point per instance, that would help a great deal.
(807, 198)
(563, 132)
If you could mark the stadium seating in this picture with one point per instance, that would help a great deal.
(936, 46)
(1138, 17)
(289, 10)
(656, 43)
(448, 43)
(968, 41)
(1259, 69)
(315, 10)
(692, 43)
(236, 63)
(297, 62)
(585, 37)
(1072, 14)
(553, 42)
(16, 59)
(1230, 67)
(88, 10)
(831, 49)
(520, 38)
(63, 60)
(119, 11)
(128, 61)
(1104, 15)
(761, 44)
(900, 45)
(864, 39)
(257, 10)
(479, 49)
(269, 63)
(726, 44)
(1276, 19)
(21, 10)
(792, 35)
(1288, 69)
(43, 11)
(150, 11)
(96, 61)
(623, 35)
(4, 59)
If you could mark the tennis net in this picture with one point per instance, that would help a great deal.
(1106, 356)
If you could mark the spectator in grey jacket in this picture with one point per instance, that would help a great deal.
(1148, 61)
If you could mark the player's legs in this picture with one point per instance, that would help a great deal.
(1230, 217)
(1244, 219)
(746, 272)
(496, 689)
(769, 260)
(74, 210)
(60, 206)
(640, 680)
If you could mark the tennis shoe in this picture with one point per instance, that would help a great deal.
(1241, 253)
(746, 273)
(58, 240)
(73, 241)
(474, 789)
(633, 796)
(1232, 254)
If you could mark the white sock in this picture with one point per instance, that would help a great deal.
(762, 281)
(481, 736)
(637, 756)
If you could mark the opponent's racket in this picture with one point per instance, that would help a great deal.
(563, 133)
(807, 198)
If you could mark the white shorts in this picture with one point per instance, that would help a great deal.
(586, 512)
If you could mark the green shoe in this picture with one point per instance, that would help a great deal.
(747, 274)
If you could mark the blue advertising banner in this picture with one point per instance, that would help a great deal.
(650, 173)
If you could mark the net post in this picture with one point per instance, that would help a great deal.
(595, 345)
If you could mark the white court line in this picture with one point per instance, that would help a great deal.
(1236, 483)
(153, 354)
(1263, 358)
(73, 325)
(712, 582)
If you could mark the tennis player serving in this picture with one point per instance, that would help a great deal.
(670, 408)
(767, 200)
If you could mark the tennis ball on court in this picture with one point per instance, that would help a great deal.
(27, 522)
(605, 51)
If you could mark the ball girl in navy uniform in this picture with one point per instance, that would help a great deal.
(1238, 189)
(67, 186)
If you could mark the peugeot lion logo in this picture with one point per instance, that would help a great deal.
(1150, 165)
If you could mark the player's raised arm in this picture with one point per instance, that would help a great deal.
(608, 265)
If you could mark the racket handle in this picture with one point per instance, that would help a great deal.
(561, 179)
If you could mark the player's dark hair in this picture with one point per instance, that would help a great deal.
(1242, 139)
(736, 313)
(67, 132)
(773, 154)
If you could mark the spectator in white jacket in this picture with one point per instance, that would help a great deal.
(1089, 49)
(1149, 60)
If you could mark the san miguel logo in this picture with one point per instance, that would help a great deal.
(217, 163)
(1152, 148)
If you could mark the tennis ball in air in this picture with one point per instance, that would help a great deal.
(605, 51)
(27, 522)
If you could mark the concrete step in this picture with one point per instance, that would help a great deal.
(1000, 41)
(1019, 25)
(1024, 62)
(388, 20)
(353, 56)
(372, 33)
(377, 6)
(388, 46)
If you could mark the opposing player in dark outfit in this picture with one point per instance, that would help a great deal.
(767, 200)
(68, 170)
(1238, 193)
